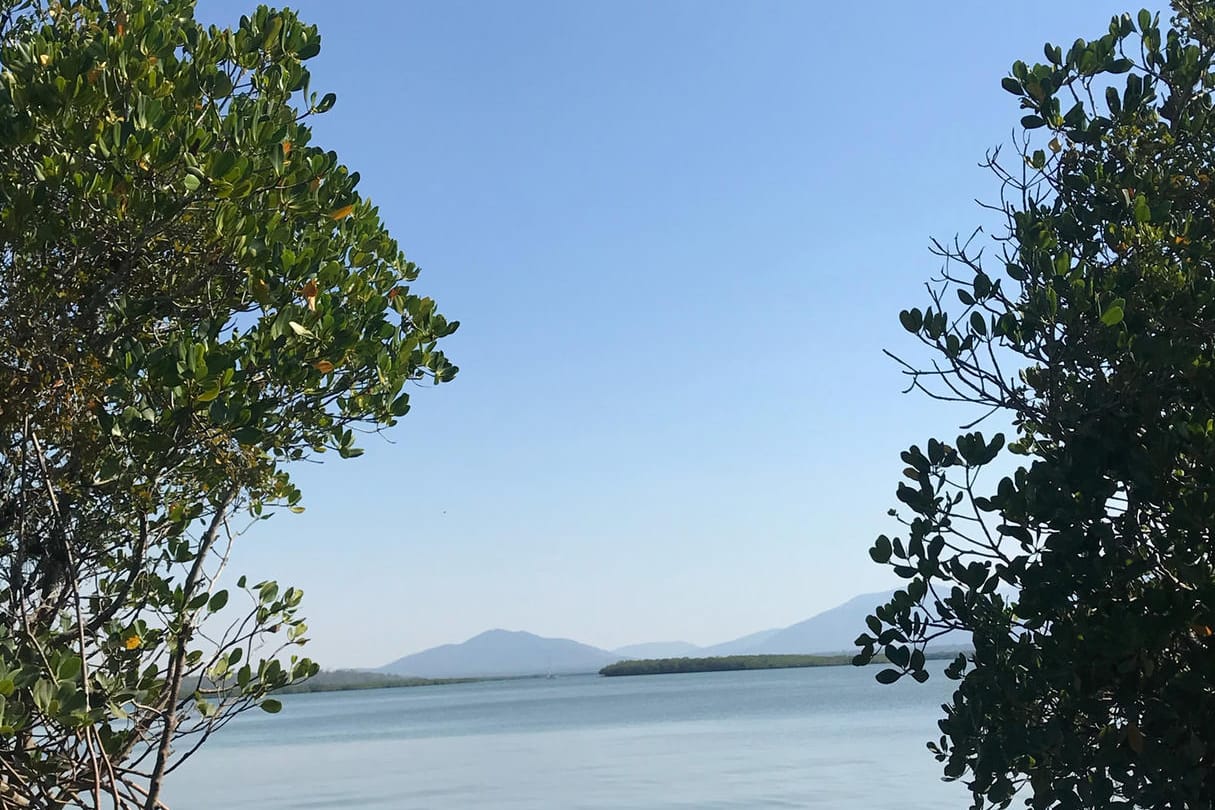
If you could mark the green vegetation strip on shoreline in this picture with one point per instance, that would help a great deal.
(344, 680)
(668, 666)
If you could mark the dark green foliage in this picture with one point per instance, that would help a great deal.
(192, 294)
(724, 663)
(1086, 576)
(345, 680)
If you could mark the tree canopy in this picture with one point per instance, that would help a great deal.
(1086, 576)
(193, 295)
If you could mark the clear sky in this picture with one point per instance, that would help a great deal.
(677, 235)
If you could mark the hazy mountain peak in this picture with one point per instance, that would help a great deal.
(517, 652)
(503, 652)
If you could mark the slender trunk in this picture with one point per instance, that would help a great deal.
(177, 662)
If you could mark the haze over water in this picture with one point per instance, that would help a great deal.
(822, 737)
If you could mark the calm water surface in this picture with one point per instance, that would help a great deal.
(825, 737)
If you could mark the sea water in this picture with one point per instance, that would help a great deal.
(825, 737)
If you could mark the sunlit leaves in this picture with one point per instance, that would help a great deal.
(1113, 314)
(195, 296)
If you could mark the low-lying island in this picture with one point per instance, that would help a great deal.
(721, 663)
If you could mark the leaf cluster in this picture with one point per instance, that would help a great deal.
(194, 294)
(1085, 576)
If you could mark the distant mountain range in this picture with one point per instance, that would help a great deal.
(506, 652)
(830, 631)
(744, 645)
(503, 652)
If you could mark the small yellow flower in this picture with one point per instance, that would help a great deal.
(132, 642)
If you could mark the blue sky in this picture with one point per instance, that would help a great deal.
(677, 235)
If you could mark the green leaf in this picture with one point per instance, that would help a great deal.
(1032, 122)
(273, 28)
(1145, 19)
(888, 676)
(191, 182)
(248, 435)
(400, 405)
(271, 706)
(205, 707)
(300, 329)
(267, 592)
(1112, 315)
(982, 284)
(1143, 212)
(898, 655)
(881, 551)
(222, 163)
(43, 693)
(221, 85)
(912, 319)
(218, 600)
(1012, 85)
(69, 668)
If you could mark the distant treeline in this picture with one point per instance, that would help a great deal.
(723, 663)
(342, 680)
